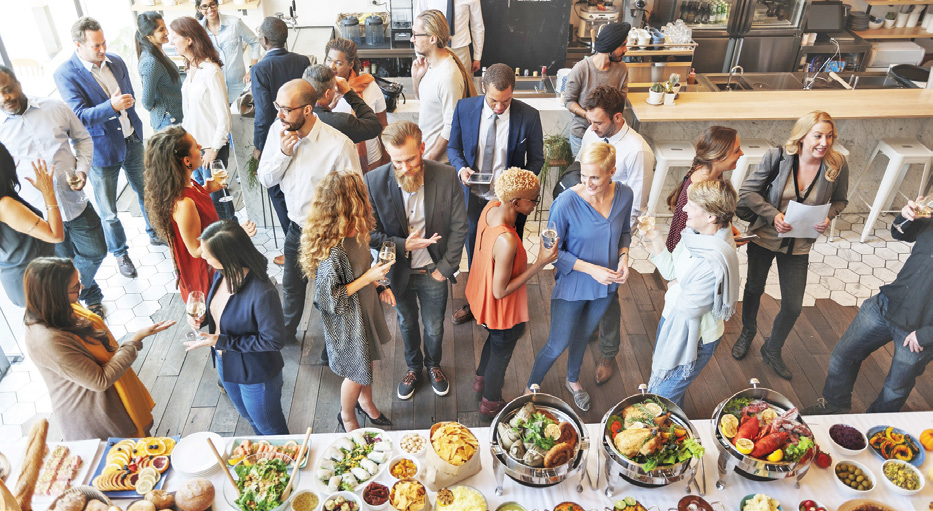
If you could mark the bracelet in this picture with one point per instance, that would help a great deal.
(53, 206)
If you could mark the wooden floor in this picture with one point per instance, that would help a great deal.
(184, 385)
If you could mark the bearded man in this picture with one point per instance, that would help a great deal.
(418, 205)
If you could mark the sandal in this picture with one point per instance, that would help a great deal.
(580, 397)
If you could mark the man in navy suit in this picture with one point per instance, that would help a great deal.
(267, 76)
(96, 85)
(489, 134)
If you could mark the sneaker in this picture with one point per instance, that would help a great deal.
(462, 315)
(490, 408)
(97, 308)
(407, 388)
(776, 363)
(740, 348)
(439, 382)
(155, 241)
(823, 408)
(126, 266)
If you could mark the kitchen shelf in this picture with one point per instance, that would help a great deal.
(899, 3)
(895, 33)
(189, 6)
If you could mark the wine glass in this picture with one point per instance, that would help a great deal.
(219, 174)
(386, 255)
(75, 182)
(923, 209)
(195, 307)
(549, 235)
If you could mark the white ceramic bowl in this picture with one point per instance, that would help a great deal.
(897, 489)
(424, 445)
(320, 500)
(849, 452)
(865, 471)
(401, 457)
(380, 507)
(427, 500)
(350, 496)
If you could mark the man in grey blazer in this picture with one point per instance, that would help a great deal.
(418, 205)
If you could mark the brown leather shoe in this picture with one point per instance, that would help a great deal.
(490, 408)
(479, 384)
(604, 370)
(462, 315)
(279, 260)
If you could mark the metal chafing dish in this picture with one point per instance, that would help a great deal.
(619, 467)
(503, 464)
(759, 470)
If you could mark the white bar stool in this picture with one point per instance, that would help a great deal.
(667, 155)
(902, 153)
(754, 149)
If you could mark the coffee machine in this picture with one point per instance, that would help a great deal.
(402, 17)
(593, 18)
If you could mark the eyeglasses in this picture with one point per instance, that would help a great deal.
(287, 110)
(420, 35)
(534, 201)
(207, 7)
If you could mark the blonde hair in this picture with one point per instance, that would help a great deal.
(341, 207)
(435, 25)
(514, 181)
(834, 160)
(716, 197)
(601, 154)
(398, 133)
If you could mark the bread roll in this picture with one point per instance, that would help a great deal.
(96, 505)
(32, 464)
(71, 502)
(195, 495)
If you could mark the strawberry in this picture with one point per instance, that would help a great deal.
(822, 459)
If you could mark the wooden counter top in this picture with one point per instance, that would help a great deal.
(786, 105)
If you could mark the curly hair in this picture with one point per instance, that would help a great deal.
(340, 208)
(165, 178)
(802, 127)
(514, 181)
(349, 50)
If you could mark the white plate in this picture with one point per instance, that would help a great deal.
(654, 104)
(382, 466)
(87, 449)
(193, 456)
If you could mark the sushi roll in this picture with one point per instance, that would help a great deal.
(378, 456)
(334, 454)
(344, 444)
(328, 464)
(360, 474)
(333, 485)
(358, 437)
(349, 480)
(382, 446)
(324, 474)
(369, 466)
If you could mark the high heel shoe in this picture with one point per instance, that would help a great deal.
(340, 423)
(382, 420)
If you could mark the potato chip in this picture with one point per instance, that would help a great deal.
(454, 443)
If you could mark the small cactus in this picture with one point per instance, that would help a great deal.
(658, 87)
(674, 79)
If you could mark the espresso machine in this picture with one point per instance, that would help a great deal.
(594, 17)
(402, 14)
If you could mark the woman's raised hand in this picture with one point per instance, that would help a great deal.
(547, 255)
(377, 272)
(780, 225)
(44, 181)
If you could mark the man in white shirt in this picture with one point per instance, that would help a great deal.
(300, 150)
(634, 165)
(465, 18)
(438, 82)
(45, 128)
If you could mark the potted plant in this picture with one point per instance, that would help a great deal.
(669, 93)
(557, 153)
(889, 19)
(674, 81)
(656, 94)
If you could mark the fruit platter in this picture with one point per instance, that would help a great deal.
(353, 460)
(760, 433)
(133, 466)
(890, 443)
(243, 447)
(648, 441)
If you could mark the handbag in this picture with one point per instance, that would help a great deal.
(744, 212)
(391, 91)
(243, 104)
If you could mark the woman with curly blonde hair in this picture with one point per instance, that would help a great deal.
(335, 250)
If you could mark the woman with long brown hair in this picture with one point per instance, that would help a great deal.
(807, 170)
(204, 100)
(335, 250)
(161, 82)
(95, 392)
(717, 150)
(179, 208)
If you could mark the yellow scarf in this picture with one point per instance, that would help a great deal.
(132, 392)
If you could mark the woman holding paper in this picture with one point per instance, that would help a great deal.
(805, 170)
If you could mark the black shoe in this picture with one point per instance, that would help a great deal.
(407, 388)
(126, 266)
(439, 382)
(341, 427)
(97, 308)
(324, 358)
(823, 408)
(220, 385)
(776, 363)
(382, 420)
(156, 241)
(740, 348)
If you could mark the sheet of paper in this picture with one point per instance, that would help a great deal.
(802, 218)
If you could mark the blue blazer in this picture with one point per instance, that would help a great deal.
(91, 103)
(267, 76)
(252, 331)
(526, 141)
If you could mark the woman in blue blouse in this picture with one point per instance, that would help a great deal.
(593, 224)
(229, 34)
(246, 327)
(159, 75)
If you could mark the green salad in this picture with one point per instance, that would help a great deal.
(261, 484)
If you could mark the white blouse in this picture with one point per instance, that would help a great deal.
(204, 103)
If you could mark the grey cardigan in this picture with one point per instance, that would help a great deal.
(834, 192)
(161, 96)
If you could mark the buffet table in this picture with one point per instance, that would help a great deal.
(817, 484)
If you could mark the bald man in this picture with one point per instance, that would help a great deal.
(299, 151)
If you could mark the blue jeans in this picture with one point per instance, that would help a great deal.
(166, 122)
(575, 143)
(260, 403)
(494, 360)
(867, 333)
(294, 283)
(224, 210)
(277, 200)
(572, 322)
(432, 296)
(675, 386)
(104, 182)
(85, 243)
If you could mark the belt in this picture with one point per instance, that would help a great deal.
(427, 270)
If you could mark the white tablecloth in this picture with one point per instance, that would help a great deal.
(817, 484)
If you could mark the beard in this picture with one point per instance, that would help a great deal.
(412, 182)
(293, 126)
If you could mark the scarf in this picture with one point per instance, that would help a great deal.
(359, 82)
(132, 392)
(679, 337)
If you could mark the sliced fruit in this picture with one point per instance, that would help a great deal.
(767, 416)
(552, 431)
(150, 472)
(744, 445)
(654, 408)
(636, 425)
(776, 456)
(144, 486)
(169, 444)
(159, 463)
(155, 447)
(111, 468)
(729, 425)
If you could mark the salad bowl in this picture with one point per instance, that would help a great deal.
(263, 474)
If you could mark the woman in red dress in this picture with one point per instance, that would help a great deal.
(179, 208)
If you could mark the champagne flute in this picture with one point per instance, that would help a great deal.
(195, 307)
(923, 209)
(549, 236)
(219, 174)
(386, 255)
(75, 182)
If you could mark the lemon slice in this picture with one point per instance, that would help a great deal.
(112, 467)
(744, 445)
(768, 416)
(144, 486)
(729, 425)
(150, 472)
(654, 408)
(552, 431)
(636, 425)
(776, 456)
(169, 444)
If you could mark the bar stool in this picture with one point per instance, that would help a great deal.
(754, 149)
(902, 153)
(667, 155)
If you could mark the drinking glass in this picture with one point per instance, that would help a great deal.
(219, 174)
(196, 308)
(74, 182)
(386, 255)
(549, 236)
(924, 209)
